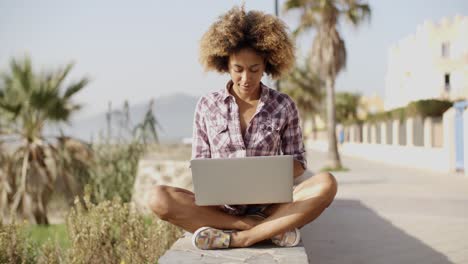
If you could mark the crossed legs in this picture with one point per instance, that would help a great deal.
(311, 198)
(177, 206)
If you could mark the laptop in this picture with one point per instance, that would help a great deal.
(249, 180)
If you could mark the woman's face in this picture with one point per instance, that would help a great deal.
(246, 68)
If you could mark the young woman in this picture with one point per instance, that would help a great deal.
(246, 118)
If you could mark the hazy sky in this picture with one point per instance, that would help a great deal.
(136, 50)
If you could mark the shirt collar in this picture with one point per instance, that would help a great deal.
(263, 95)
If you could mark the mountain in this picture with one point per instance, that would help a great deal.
(173, 112)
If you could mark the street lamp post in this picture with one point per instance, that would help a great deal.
(277, 15)
(276, 7)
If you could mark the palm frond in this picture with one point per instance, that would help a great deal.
(42, 97)
(60, 76)
(305, 88)
(22, 73)
(355, 11)
(293, 4)
(13, 109)
(75, 87)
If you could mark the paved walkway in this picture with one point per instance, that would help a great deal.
(386, 214)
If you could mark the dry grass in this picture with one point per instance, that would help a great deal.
(15, 247)
(109, 232)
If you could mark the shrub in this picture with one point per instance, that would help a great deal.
(398, 114)
(429, 107)
(14, 246)
(114, 170)
(423, 108)
(111, 233)
(42, 235)
(51, 253)
(377, 117)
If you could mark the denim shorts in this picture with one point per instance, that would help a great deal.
(244, 209)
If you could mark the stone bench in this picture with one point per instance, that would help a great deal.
(184, 252)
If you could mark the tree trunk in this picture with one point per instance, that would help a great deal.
(333, 155)
(314, 128)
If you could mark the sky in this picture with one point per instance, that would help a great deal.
(137, 50)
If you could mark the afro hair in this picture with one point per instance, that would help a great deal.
(266, 34)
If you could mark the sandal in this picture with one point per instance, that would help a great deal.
(211, 238)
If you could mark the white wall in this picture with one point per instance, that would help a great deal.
(416, 67)
(465, 139)
(427, 156)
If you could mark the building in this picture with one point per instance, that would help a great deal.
(369, 105)
(431, 63)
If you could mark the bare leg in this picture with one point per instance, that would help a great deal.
(177, 206)
(311, 198)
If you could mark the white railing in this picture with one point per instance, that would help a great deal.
(427, 143)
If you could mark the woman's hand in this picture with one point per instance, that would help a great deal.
(298, 169)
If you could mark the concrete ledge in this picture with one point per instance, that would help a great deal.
(184, 252)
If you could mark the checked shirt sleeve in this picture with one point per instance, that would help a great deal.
(200, 144)
(291, 138)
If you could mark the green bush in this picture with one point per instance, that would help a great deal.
(398, 114)
(423, 108)
(430, 107)
(346, 105)
(14, 245)
(350, 122)
(108, 232)
(373, 118)
(42, 235)
(114, 170)
(111, 233)
(51, 253)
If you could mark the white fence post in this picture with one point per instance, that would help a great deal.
(396, 132)
(352, 133)
(418, 131)
(448, 123)
(410, 131)
(465, 140)
(383, 133)
(428, 132)
(365, 137)
(373, 133)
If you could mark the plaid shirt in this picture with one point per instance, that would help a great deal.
(273, 130)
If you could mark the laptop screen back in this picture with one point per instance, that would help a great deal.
(249, 180)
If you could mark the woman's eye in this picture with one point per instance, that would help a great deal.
(254, 71)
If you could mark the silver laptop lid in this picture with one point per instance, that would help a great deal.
(249, 180)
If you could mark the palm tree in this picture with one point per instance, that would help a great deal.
(306, 89)
(346, 106)
(31, 100)
(328, 54)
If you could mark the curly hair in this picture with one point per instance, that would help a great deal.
(236, 29)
